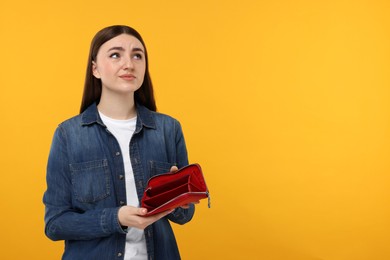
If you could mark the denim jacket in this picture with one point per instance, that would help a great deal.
(86, 184)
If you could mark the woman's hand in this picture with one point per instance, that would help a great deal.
(134, 217)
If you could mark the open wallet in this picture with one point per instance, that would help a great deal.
(171, 190)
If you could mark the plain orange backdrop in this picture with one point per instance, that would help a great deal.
(285, 104)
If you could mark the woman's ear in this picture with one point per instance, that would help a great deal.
(95, 71)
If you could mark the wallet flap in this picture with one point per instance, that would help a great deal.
(178, 201)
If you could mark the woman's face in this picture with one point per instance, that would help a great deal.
(120, 64)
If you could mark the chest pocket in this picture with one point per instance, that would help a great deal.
(157, 168)
(90, 180)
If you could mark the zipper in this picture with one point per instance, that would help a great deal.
(209, 199)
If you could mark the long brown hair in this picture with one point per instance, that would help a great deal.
(93, 86)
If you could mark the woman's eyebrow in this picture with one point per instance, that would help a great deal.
(122, 49)
(138, 49)
(116, 49)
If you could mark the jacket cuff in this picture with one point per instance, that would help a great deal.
(182, 216)
(110, 222)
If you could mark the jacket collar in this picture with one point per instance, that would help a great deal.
(144, 117)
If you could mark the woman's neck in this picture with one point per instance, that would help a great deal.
(119, 107)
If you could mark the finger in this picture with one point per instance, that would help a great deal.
(174, 169)
(141, 211)
(157, 216)
(135, 211)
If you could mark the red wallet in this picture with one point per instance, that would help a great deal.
(171, 190)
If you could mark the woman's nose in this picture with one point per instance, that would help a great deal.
(128, 63)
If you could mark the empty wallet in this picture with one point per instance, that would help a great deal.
(171, 190)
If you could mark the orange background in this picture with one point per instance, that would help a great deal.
(285, 104)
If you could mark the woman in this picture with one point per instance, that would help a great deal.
(100, 160)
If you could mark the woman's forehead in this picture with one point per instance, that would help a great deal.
(124, 41)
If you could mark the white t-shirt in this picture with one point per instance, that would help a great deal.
(123, 130)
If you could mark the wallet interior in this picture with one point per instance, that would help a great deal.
(165, 192)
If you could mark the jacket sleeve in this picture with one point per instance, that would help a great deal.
(180, 215)
(62, 220)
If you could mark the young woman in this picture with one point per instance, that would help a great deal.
(101, 159)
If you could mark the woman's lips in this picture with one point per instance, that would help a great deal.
(127, 77)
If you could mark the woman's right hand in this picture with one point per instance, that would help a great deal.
(134, 217)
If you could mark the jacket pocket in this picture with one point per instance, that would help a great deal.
(90, 180)
(159, 167)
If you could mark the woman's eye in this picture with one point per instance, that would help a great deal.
(114, 55)
(137, 56)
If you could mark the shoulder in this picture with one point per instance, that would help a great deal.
(88, 117)
(166, 122)
(71, 122)
(164, 117)
(155, 119)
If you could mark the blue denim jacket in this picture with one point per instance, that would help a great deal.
(86, 184)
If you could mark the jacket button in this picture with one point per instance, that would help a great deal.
(121, 177)
(121, 202)
(119, 254)
(117, 153)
